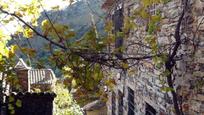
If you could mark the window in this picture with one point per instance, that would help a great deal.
(113, 103)
(150, 110)
(131, 104)
(153, 9)
(118, 25)
(120, 103)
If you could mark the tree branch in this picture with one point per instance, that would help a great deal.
(170, 63)
(34, 30)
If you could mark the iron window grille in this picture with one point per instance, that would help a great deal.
(120, 103)
(113, 103)
(131, 103)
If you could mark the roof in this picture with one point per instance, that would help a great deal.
(107, 4)
(22, 65)
(41, 76)
(95, 105)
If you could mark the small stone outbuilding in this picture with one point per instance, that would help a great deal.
(34, 79)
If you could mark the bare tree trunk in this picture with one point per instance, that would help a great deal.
(170, 63)
(173, 92)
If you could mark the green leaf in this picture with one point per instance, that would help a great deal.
(156, 18)
(11, 99)
(125, 65)
(151, 27)
(12, 112)
(167, 89)
(19, 103)
(10, 107)
(166, 73)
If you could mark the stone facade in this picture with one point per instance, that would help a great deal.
(23, 79)
(141, 91)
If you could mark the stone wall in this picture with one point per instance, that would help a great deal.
(189, 71)
(42, 87)
(23, 79)
(31, 103)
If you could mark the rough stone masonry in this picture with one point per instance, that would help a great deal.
(147, 96)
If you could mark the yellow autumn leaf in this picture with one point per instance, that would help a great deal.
(31, 52)
(44, 23)
(14, 48)
(66, 68)
(74, 84)
(10, 54)
(55, 7)
(125, 65)
(3, 37)
(19, 14)
(34, 22)
(46, 27)
(155, 18)
(70, 34)
(4, 50)
(108, 26)
(144, 14)
(1, 34)
(28, 33)
(146, 2)
(4, 5)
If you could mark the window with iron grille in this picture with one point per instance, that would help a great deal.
(113, 103)
(131, 104)
(149, 110)
(153, 9)
(120, 103)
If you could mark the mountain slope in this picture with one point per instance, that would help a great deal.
(77, 16)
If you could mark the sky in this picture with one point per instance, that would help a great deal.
(47, 5)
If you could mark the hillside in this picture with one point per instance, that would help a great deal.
(77, 16)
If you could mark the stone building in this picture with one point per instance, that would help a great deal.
(140, 93)
(31, 79)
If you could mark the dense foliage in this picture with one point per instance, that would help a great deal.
(62, 47)
(64, 104)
